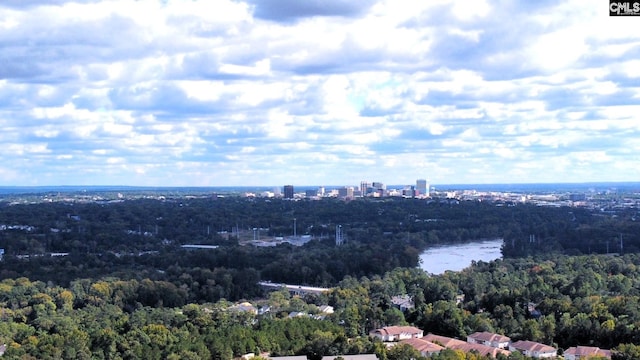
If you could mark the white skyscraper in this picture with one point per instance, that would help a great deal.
(421, 186)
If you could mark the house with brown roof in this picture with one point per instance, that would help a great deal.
(443, 340)
(481, 349)
(426, 348)
(489, 339)
(329, 357)
(534, 349)
(456, 344)
(396, 333)
(585, 352)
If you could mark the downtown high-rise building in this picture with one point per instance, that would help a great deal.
(364, 188)
(346, 192)
(379, 188)
(422, 186)
(288, 191)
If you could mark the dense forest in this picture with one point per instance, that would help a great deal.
(126, 289)
(579, 300)
(145, 235)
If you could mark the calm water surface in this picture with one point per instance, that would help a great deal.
(439, 259)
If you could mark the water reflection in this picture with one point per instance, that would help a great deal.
(437, 260)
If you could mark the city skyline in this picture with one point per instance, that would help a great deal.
(244, 93)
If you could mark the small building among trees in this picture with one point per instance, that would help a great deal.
(397, 333)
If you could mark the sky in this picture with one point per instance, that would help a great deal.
(317, 92)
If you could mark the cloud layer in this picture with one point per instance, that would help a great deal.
(220, 92)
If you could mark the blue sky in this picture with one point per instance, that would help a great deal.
(317, 92)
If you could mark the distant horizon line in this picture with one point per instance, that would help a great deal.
(584, 183)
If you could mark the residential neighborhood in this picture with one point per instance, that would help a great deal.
(483, 343)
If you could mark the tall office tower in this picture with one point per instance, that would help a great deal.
(364, 185)
(421, 186)
(321, 191)
(288, 191)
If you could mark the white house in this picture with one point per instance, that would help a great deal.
(326, 309)
(396, 333)
(534, 349)
(585, 352)
(489, 339)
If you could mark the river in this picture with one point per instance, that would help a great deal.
(437, 260)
